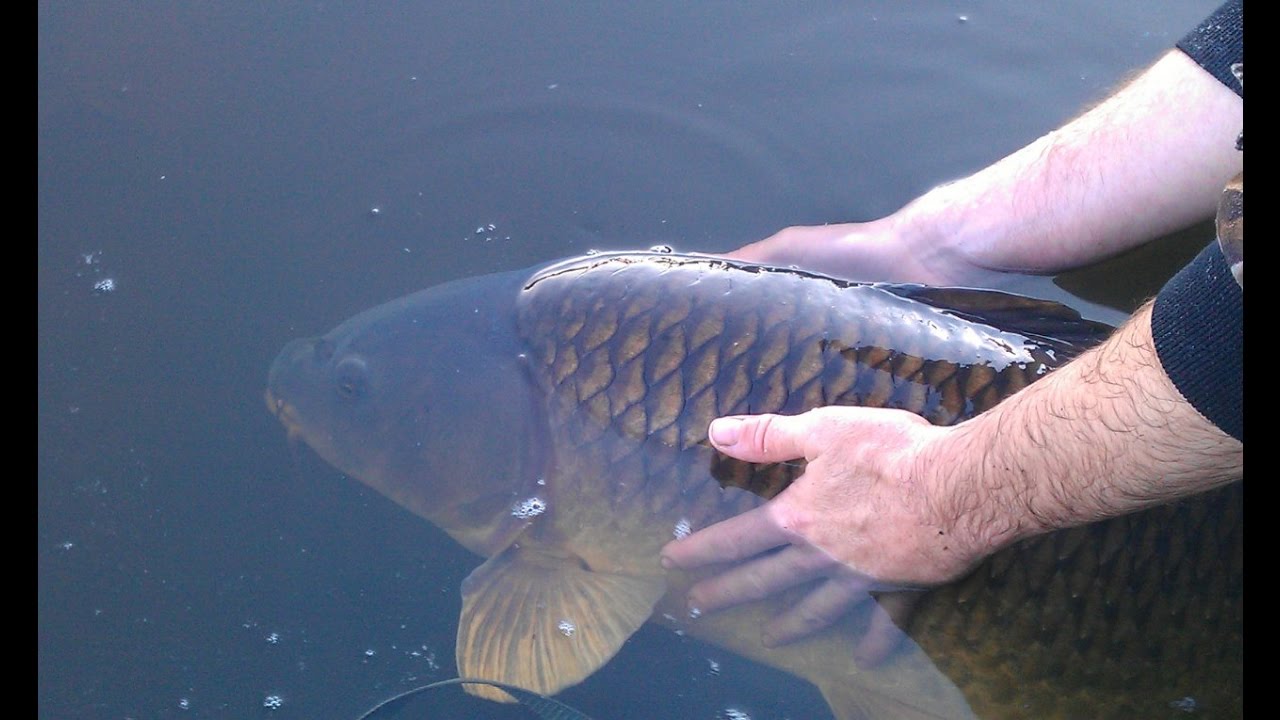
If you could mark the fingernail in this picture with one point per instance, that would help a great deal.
(724, 432)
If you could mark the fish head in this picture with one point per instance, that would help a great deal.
(426, 399)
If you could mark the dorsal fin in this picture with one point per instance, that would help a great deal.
(1052, 324)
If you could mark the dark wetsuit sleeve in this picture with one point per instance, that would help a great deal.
(1218, 43)
(1198, 327)
(1198, 318)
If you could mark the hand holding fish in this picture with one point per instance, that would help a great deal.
(1046, 207)
(865, 515)
(896, 500)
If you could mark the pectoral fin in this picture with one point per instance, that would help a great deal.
(544, 622)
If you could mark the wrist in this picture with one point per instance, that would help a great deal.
(974, 511)
(955, 233)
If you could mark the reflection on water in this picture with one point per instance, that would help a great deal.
(214, 180)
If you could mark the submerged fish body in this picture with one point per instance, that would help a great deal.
(554, 421)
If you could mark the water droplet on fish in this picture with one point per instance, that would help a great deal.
(695, 613)
(1186, 704)
(104, 286)
(272, 702)
(661, 249)
(566, 628)
(273, 638)
(733, 714)
(713, 667)
(526, 509)
(184, 703)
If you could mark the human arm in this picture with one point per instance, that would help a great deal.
(902, 502)
(1150, 159)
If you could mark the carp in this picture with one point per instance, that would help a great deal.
(553, 421)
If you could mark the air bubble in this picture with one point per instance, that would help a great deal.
(526, 509)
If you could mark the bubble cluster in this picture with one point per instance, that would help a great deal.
(531, 507)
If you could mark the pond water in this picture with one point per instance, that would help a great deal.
(215, 180)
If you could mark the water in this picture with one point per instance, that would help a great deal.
(215, 180)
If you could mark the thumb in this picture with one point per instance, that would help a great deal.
(760, 438)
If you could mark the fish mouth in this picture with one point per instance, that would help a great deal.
(285, 413)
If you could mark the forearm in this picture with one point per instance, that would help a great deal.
(1149, 160)
(1104, 435)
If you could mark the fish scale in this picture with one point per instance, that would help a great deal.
(781, 346)
(769, 361)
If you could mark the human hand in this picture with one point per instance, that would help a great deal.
(866, 515)
(878, 251)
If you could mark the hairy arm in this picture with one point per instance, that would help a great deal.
(1148, 160)
(898, 501)
(1105, 435)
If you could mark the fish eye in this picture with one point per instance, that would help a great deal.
(350, 378)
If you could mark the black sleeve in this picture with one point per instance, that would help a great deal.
(1218, 43)
(1198, 327)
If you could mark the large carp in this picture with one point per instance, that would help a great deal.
(554, 421)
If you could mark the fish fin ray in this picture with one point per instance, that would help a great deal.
(545, 622)
(1051, 323)
(906, 685)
